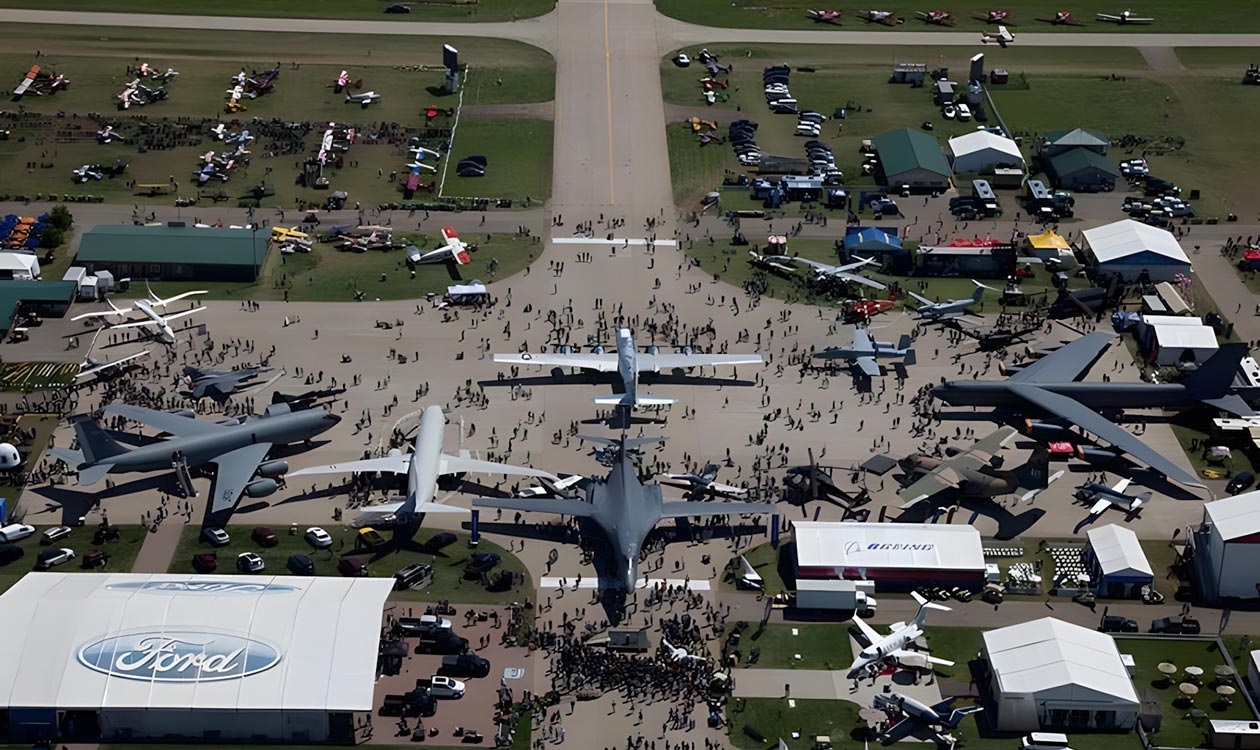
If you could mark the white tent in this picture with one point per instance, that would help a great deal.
(161, 654)
(1118, 561)
(981, 151)
(1050, 674)
(1230, 538)
(19, 266)
(892, 553)
(1128, 247)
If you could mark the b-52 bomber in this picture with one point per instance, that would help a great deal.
(1053, 385)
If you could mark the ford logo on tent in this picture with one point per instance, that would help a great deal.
(178, 656)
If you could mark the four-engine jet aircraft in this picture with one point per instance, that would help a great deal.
(628, 363)
(621, 511)
(157, 324)
(975, 472)
(1052, 385)
(865, 351)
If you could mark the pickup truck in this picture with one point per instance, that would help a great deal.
(464, 665)
(1176, 625)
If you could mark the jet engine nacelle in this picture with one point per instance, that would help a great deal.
(1008, 370)
(273, 468)
(189, 413)
(653, 350)
(260, 487)
(1092, 453)
(1035, 427)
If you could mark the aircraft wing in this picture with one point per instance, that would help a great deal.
(235, 469)
(177, 425)
(901, 730)
(1100, 506)
(1122, 485)
(459, 465)
(386, 465)
(658, 362)
(926, 487)
(91, 370)
(862, 340)
(688, 509)
(1068, 363)
(922, 300)
(177, 298)
(1091, 421)
(868, 366)
(867, 632)
(586, 361)
(835, 271)
(104, 313)
(559, 506)
(178, 315)
(994, 441)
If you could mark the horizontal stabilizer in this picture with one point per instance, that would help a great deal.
(439, 508)
(93, 474)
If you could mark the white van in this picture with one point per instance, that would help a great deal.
(15, 531)
(1044, 741)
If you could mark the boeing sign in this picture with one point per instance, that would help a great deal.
(178, 656)
(221, 588)
(852, 548)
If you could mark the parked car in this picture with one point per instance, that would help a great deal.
(55, 534)
(10, 553)
(215, 537)
(94, 559)
(1176, 625)
(964, 112)
(318, 538)
(351, 567)
(53, 557)
(1240, 483)
(464, 665)
(441, 642)
(264, 537)
(300, 565)
(442, 686)
(249, 562)
(15, 531)
(1117, 624)
(206, 562)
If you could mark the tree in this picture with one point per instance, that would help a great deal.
(60, 218)
(52, 237)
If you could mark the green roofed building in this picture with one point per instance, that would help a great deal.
(1058, 141)
(25, 297)
(1081, 169)
(174, 252)
(908, 157)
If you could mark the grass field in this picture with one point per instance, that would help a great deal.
(52, 135)
(448, 562)
(820, 646)
(121, 554)
(774, 719)
(475, 11)
(694, 170)
(518, 154)
(1209, 16)
(329, 275)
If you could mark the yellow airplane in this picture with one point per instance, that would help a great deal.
(280, 234)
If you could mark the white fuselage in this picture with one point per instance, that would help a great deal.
(881, 649)
(164, 332)
(627, 364)
(426, 460)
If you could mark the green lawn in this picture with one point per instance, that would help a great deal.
(765, 559)
(1208, 16)
(694, 169)
(477, 10)
(518, 155)
(330, 275)
(820, 645)
(774, 719)
(121, 554)
(448, 563)
(40, 153)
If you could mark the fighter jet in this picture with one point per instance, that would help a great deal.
(703, 484)
(975, 472)
(822, 270)
(1123, 17)
(951, 308)
(219, 384)
(628, 363)
(878, 649)
(920, 718)
(621, 511)
(454, 251)
(423, 466)
(158, 325)
(237, 448)
(1053, 385)
(1104, 497)
(865, 351)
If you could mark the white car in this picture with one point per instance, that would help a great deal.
(216, 537)
(318, 538)
(55, 534)
(248, 562)
(15, 531)
(50, 558)
(442, 686)
(950, 111)
(964, 113)
(433, 621)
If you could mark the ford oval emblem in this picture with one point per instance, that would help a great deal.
(178, 656)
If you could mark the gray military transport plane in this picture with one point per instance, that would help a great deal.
(621, 510)
(237, 447)
(1052, 385)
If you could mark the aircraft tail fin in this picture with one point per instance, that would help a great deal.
(1034, 476)
(1214, 377)
(904, 341)
(95, 444)
(957, 714)
(909, 359)
(924, 606)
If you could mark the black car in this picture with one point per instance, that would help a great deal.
(1117, 624)
(464, 665)
(10, 553)
(1176, 626)
(1240, 483)
(300, 565)
(442, 642)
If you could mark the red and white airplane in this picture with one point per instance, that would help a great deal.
(455, 250)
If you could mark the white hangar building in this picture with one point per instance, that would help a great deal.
(1053, 675)
(1227, 547)
(982, 151)
(1129, 247)
(128, 657)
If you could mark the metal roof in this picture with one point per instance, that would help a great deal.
(1077, 159)
(129, 641)
(1235, 517)
(1053, 655)
(1120, 240)
(981, 140)
(1118, 551)
(888, 545)
(125, 243)
(1076, 137)
(903, 150)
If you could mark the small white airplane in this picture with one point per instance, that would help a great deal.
(680, 654)
(1105, 497)
(160, 324)
(703, 483)
(420, 151)
(1002, 36)
(822, 270)
(553, 489)
(421, 165)
(236, 92)
(881, 648)
(364, 99)
(455, 250)
(1123, 17)
(128, 94)
(628, 363)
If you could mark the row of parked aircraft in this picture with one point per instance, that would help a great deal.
(946, 18)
